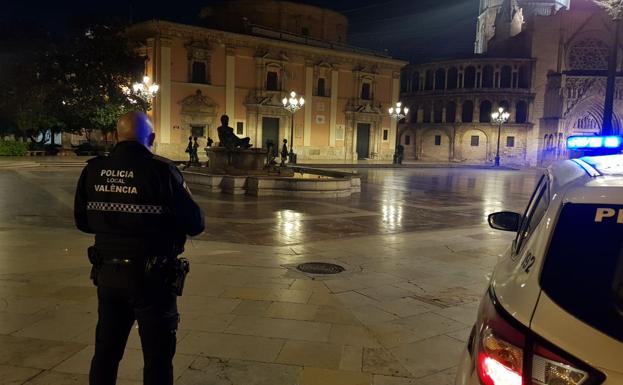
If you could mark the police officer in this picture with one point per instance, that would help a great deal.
(140, 211)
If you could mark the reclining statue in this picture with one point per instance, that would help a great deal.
(228, 139)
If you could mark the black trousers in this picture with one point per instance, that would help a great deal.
(154, 307)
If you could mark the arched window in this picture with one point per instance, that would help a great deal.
(415, 81)
(437, 112)
(467, 113)
(404, 82)
(470, 77)
(589, 54)
(485, 111)
(413, 111)
(321, 91)
(428, 82)
(487, 77)
(506, 77)
(524, 80)
(451, 112)
(427, 109)
(440, 79)
(505, 105)
(521, 112)
(453, 75)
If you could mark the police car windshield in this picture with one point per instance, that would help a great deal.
(583, 270)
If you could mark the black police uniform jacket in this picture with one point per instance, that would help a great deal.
(136, 204)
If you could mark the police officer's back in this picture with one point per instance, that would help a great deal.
(140, 211)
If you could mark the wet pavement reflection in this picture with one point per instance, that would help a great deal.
(391, 201)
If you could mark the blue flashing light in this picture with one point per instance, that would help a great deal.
(594, 142)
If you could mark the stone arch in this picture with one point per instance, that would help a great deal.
(487, 76)
(453, 78)
(451, 112)
(467, 111)
(415, 81)
(587, 117)
(429, 81)
(427, 112)
(521, 112)
(523, 77)
(437, 111)
(506, 77)
(474, 150)
(404, 82)
(469, 80)
(485, 111)
(505, 104)
(435, 145)
(440, 79)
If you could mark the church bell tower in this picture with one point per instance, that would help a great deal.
(489, 10)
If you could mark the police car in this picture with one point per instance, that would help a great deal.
(553, 312)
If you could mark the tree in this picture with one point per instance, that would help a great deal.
(91, 71)
(69, 83)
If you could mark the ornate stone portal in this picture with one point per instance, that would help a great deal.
(198, 111)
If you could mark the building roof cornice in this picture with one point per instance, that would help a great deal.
(167, 29)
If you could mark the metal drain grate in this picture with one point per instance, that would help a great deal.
(320, 268)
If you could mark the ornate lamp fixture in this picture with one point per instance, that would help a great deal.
(146, 90)
(398, 112)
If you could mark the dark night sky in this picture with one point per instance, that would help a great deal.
(410, 29)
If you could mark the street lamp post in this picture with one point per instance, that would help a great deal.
(398, 112)
(292, 104)
(500, 117)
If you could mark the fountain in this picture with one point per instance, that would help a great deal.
(234, 167)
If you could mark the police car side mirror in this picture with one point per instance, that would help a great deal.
(505, 220)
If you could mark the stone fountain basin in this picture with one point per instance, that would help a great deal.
(306, 183)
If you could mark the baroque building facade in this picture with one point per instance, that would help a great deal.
(550, 76)
(250, 55)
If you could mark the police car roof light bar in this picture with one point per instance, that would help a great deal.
(587, 142)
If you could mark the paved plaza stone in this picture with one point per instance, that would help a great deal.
(415, 245)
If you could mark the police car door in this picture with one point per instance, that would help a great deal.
(514, 280)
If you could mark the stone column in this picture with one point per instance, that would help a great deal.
(512, 110)
(476, 110)
(334, 96)
(393, 129)
(458, 112)
(452, 144)
(420, 115)
(230, 85)
(309, 94)
(163, 78)
(443, 114)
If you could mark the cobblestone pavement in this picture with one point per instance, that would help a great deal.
(414, 243)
